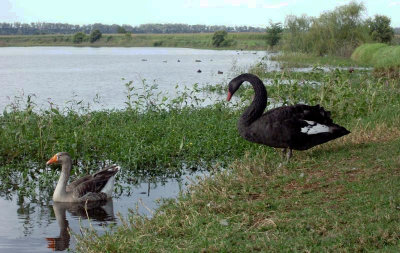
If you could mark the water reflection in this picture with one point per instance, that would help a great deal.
(31, 222)
(101, 211)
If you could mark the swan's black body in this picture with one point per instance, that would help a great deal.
(298, 127)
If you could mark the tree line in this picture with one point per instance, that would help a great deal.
(336, 32)
(17, 28)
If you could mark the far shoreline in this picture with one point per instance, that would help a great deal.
(242, 41)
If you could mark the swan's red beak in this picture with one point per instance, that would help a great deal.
(229, 96)
(54, 159)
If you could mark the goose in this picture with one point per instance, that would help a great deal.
(295, 127)
(96, 187)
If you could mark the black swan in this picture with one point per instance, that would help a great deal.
(297, 127)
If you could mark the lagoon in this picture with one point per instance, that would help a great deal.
(58, 74)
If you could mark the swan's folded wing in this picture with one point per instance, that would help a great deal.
(315, 113)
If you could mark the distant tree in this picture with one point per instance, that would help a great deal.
(218, 38)
(79, 37)
(94, 36)
(380, 29)
(274, 33)
(336, 32)
(120, 29)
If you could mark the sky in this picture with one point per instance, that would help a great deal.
(208, 12)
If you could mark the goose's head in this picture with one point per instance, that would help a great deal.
(59, 158)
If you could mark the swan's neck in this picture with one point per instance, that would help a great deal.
(257, 107)
(60, 191)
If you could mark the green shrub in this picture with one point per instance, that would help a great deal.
(380, 30)
(79, 37)
(158, 43)
(364, 53)
(219, 38)
(274, 33)
(94, 36)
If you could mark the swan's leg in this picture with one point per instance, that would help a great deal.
(289, 154)
(283, 153)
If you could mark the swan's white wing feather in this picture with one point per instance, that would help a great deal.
(315, 128)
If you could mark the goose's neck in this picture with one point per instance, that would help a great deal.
(60, 191)
(257, 107)
(59, 212)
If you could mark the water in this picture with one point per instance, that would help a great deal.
(42, 227)
(58, 74)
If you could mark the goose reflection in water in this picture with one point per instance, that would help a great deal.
(96, 211)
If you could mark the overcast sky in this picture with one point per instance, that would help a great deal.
(209, 12)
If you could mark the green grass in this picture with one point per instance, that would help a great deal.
(299, 60)
(387, 57)
(378, 55)
(338, 197)
(365, 53)
(341, 196)
(248, 41)
(384, 58)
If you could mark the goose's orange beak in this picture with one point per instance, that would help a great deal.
(54, 159)
(229, 96)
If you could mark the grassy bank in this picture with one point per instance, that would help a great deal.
(300, 60)
(384, 58)
(341, 196)
(335, 198)
(249, 41)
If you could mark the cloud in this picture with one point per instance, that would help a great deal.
(394, 3)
